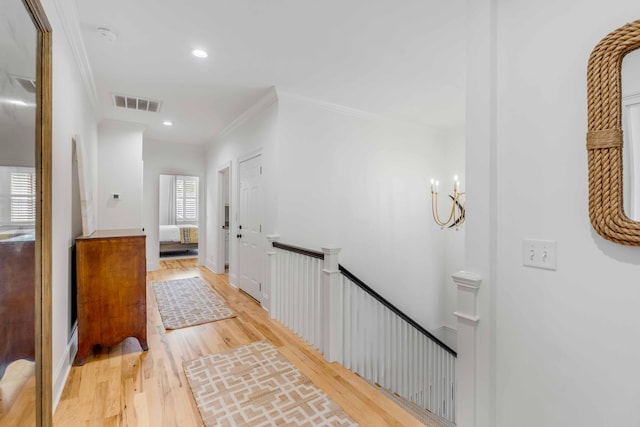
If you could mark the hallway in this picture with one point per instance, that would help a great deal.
(123, 387)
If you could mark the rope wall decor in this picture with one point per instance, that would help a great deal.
(604, 136)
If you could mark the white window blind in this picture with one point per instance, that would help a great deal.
(186, 199)
(23, 197)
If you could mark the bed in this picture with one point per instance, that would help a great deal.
(178, 238)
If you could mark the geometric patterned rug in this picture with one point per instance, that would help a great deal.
(255, 385)
(188, 302)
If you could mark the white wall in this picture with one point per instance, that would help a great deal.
(335, 175)
(172, 159)
(120, 170)
(454, 241)
(164, 198)
(563, 342)
(355, 180)
(72, 115)
(255, 130)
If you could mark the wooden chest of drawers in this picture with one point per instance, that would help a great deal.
(111, 272)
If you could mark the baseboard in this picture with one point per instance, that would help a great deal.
(64, 368)
(447, 335)
(233, 280)
(213, 266)
(153, 266)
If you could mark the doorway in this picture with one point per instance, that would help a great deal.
(222, 259)
(178, 210)
(249, 234)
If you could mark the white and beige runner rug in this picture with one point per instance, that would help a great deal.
(254, 385)
(188, 302)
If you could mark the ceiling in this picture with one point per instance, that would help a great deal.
(402, 59)
(18, 41)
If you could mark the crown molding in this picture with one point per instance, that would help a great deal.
(68, 13)
(329, 106)
(354, 112)
(261, 104)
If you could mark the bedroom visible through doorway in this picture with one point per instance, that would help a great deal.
(178, 217)
(224, 222)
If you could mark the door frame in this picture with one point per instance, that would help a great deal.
(248, 156)
(219, 257)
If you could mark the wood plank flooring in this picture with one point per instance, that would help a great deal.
(18, 395)
(123, 386)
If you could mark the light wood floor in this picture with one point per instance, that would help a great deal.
(18, 394)
(124, 386)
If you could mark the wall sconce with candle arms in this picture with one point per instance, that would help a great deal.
(457, 214)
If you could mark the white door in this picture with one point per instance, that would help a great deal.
(249, 233)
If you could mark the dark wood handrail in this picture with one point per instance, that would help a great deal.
(395, 309)
(371, 292)
(302, 251)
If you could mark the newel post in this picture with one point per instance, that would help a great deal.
(332, 305)
(467, 313)
(270, 276)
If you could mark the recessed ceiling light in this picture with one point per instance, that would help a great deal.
(199, 53)
(107, 34)
(167, 123)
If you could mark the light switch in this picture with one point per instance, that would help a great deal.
(539, 253)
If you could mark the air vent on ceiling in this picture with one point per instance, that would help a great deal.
(135, 103)
(28, 84)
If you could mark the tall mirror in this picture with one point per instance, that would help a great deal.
(608, 204)
(631, 133)
(25, 360)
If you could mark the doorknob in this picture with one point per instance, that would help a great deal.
(238, 236)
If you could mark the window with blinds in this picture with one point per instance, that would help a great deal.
(23, 197)
(186, 199)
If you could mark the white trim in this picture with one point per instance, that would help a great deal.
(354, 112)
(329, 106)
(68, 13)
(467, 279)
(64, 368)
(631, 99)
(153, 266)
(219, 262)
(233, 279)
(331, 249)
(248, 156)
(474, 319)
(261, 104)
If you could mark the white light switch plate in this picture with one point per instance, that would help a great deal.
(539, 253)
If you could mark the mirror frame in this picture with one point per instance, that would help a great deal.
(604, 136)
(43, 137)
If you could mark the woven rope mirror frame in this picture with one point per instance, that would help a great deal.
(604, 136)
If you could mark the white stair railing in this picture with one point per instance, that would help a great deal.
(349, 322)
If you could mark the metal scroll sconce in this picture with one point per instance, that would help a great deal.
(604, 136)
(457, 213)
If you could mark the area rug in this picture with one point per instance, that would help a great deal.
(254, 385)
(188, 302)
